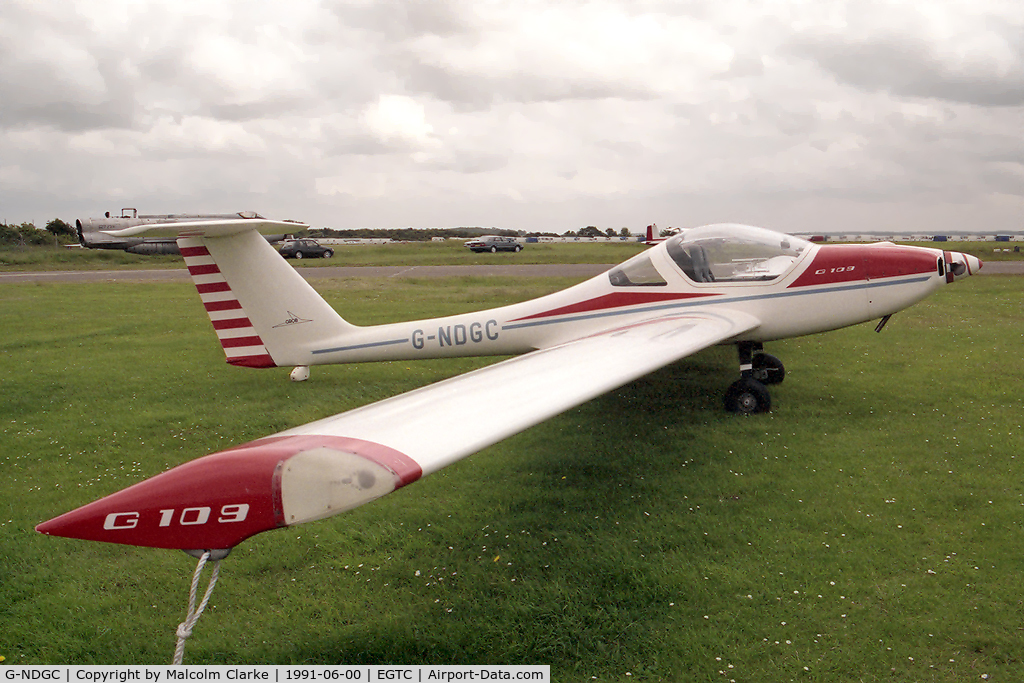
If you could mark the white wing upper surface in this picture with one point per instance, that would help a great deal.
(444, 422)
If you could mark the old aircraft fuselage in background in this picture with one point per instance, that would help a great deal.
(94, 233)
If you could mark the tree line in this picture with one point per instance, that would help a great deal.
(27, 234)
(426, 234)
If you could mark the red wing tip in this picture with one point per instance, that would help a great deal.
(219, 500)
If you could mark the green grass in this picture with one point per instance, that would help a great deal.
(870, 528)
(64, 258)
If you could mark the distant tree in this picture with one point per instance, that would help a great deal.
(624, 232)
(22, 235)
(569, 233)
(32, 235)
(9, 234)
(610, 232)
(591, 231)
(59, 228)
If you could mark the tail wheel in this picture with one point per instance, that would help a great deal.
(748, 396)
(768, 369)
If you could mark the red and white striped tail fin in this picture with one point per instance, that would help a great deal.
(242, 343)
(264, 312)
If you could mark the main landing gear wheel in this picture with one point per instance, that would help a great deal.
(747, 396)
(768, 369)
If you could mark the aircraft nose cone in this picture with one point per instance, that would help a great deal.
(961, 265)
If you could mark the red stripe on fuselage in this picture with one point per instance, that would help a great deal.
(616, 300)
(851, 262)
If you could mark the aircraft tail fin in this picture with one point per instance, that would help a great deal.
(653, 232)
(265, 313)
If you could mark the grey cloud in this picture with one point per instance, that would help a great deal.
(471, 162)
(477, 91)
(909, 67)
(744, 65)
(45, 93)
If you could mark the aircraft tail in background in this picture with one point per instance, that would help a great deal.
(653, 233)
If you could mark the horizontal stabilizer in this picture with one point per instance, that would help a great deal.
(215, 228)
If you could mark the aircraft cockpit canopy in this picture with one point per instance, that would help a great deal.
(637, 272)
(734, 253)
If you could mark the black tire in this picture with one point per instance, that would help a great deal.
(518, 248)
(298, 254)
(328, 254)
(748, 396)
(768, 369)
(494, 250)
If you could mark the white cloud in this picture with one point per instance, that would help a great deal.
(398, 116)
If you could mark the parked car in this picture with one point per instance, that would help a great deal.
(304, 248)
(493, 243)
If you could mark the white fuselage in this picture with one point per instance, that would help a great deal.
(825, 287)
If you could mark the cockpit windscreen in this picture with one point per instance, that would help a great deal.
(734, 253)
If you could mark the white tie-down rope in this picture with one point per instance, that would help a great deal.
(185, 627)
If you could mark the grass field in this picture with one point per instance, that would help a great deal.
(869, 529)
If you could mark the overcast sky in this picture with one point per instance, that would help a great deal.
(813, 116)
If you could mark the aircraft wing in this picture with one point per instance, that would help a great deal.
(446, 421)
(341, 462)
